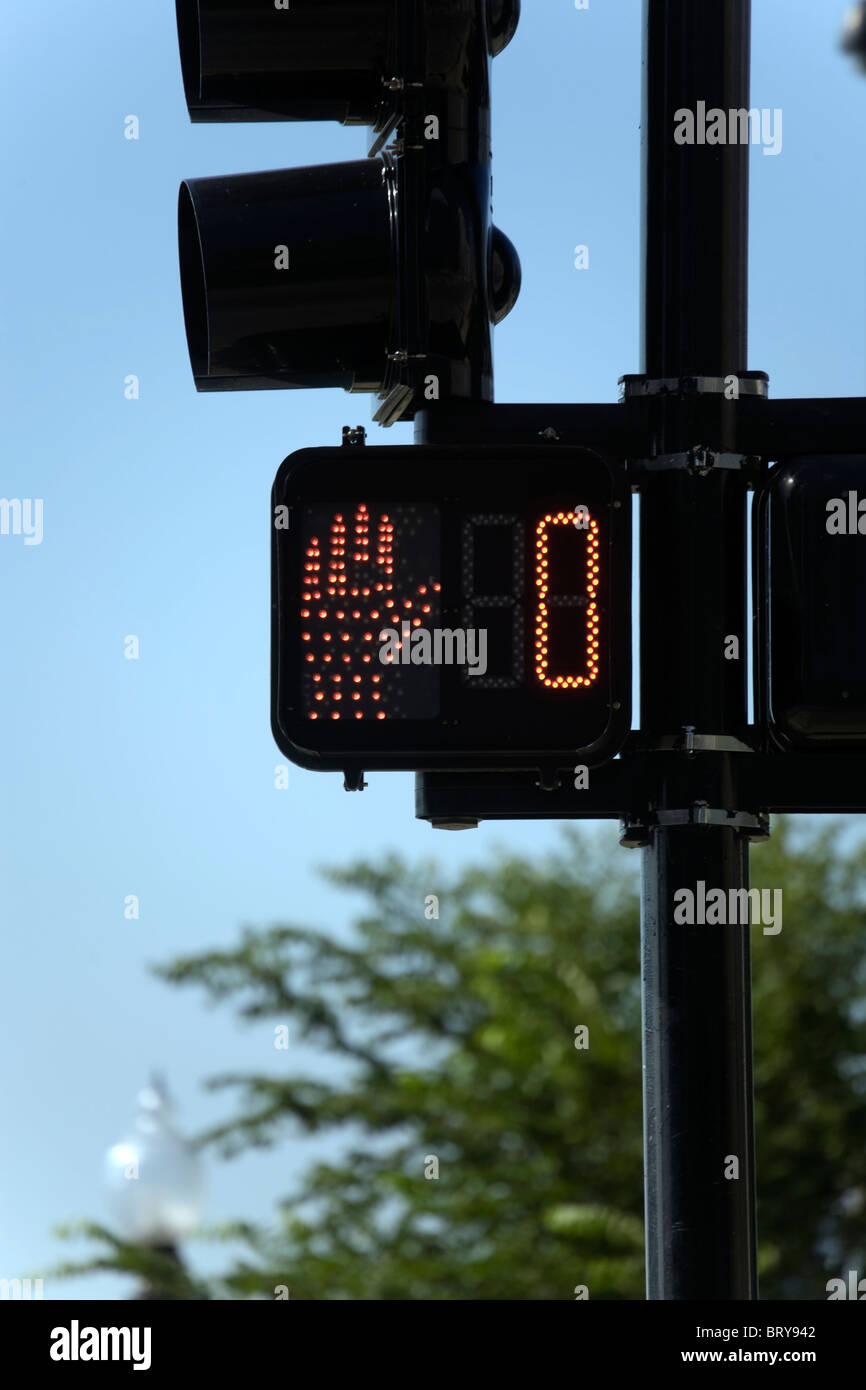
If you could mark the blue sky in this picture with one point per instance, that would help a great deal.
(156, 777)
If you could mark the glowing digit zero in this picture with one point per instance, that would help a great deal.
(547, 597)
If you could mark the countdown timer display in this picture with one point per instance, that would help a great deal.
(443, 607)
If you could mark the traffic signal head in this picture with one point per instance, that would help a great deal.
(308, 60)
(318, 60)
(450, 607)
(382, 275)
(812, 537)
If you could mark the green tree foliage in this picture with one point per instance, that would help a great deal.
(455, 1044)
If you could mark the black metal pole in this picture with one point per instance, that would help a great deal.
(698, 1117)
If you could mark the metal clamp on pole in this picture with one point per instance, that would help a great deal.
(689, 742)
(698, 461)
(636, 830)
(633, 386)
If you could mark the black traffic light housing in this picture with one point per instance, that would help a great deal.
(810, 537)
(382, 275)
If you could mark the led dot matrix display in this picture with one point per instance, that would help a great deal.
(437, 606)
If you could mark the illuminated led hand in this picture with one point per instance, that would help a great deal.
(344, 608)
